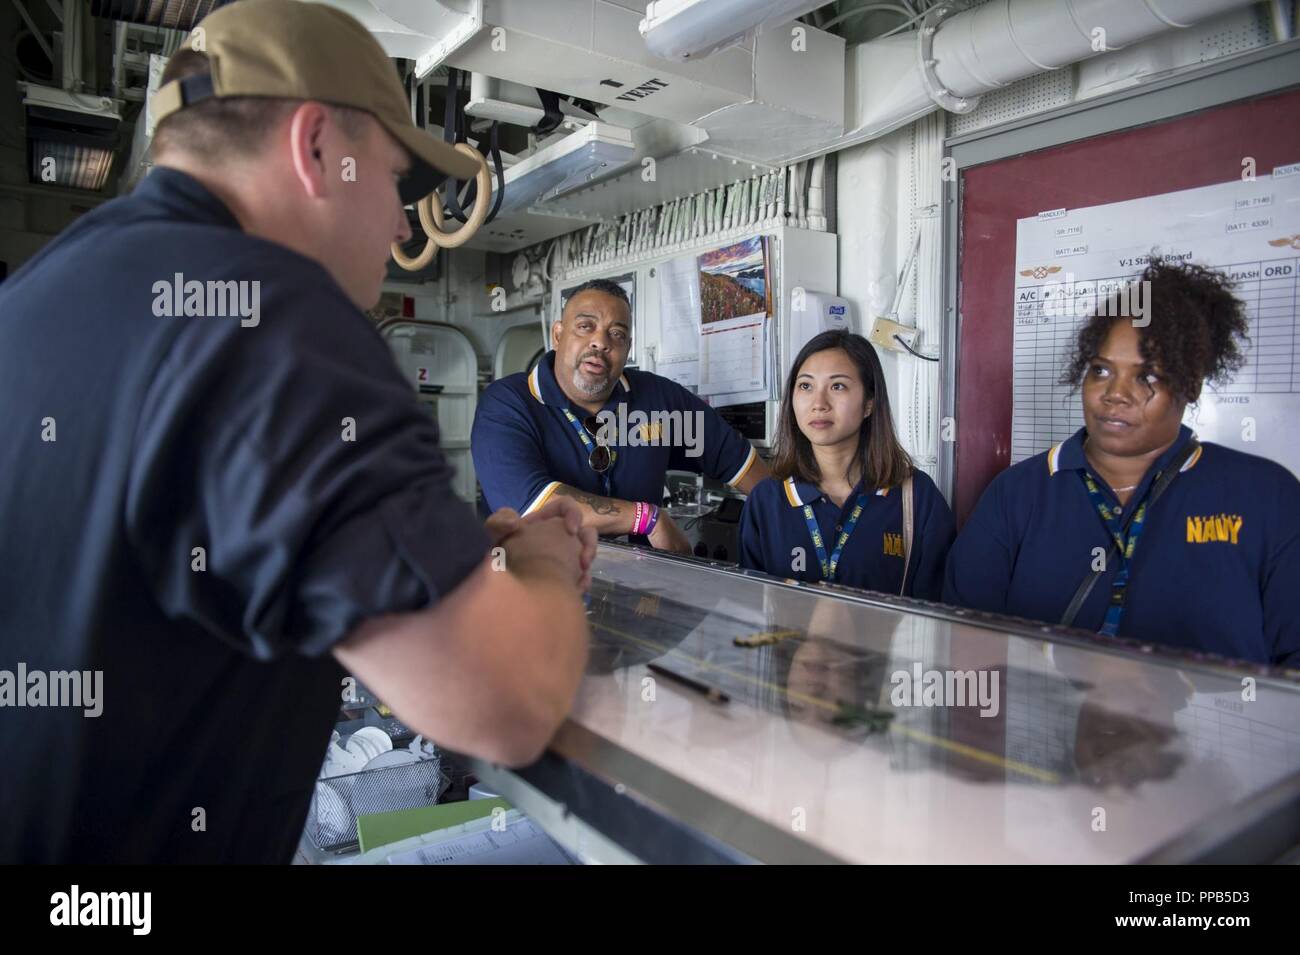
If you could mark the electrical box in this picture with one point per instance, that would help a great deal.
(891, 335)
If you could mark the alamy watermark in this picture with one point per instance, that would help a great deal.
(674, 429)
(921, 687)
(180, 297)
(76, 907)
(75, 688)
(1109, 298)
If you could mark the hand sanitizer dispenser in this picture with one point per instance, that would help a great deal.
(812, 313)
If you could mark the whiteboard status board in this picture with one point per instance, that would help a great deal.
(1067, 258)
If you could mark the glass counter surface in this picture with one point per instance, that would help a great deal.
(791, 722)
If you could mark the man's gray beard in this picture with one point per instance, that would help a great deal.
(592, 387)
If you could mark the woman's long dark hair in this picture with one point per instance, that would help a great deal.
(881, 459)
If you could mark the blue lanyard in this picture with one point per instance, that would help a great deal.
(829, 567)
(590, 447)
(1126, 544)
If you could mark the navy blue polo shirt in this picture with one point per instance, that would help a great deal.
(524, 447)
(198, 507)
(774, 535)
(1216, 569)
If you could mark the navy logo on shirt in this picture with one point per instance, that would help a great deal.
(893, 545)
(1213, 527)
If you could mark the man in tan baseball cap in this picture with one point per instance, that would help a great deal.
(280, 103)
(293, 50)
(249, 502)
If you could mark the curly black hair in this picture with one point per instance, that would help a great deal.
(1197, 331)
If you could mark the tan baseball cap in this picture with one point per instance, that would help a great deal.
(309, 51)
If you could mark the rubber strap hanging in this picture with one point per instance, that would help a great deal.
(430, 207)
(489, 147)
(453, 122)
(495, 149)
(554, 115)
(454, 130)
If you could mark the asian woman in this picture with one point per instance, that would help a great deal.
(845, 504)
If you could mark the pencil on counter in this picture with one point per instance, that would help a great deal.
(712, 693)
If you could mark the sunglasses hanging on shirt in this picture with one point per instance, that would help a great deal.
(600, 457)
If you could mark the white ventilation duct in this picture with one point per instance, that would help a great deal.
(773, 91)
(786, 94)
(1006, 40)
(960, 54)
(421, 30)
(689, 29)
(770, 100)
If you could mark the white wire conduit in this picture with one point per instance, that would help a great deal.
(922, 428)
(793, 196)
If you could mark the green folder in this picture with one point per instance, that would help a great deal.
(384, 828)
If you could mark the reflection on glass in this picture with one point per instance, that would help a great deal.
(813, 722)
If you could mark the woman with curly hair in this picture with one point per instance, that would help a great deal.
(1132, 527)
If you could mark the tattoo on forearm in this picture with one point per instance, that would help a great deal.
(604, 506)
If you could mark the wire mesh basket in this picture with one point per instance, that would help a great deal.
(339, 800)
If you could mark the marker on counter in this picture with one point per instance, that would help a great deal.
(765, 639)
(713, 694)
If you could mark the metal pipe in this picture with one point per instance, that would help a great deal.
(72, 47)
(119, 67)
